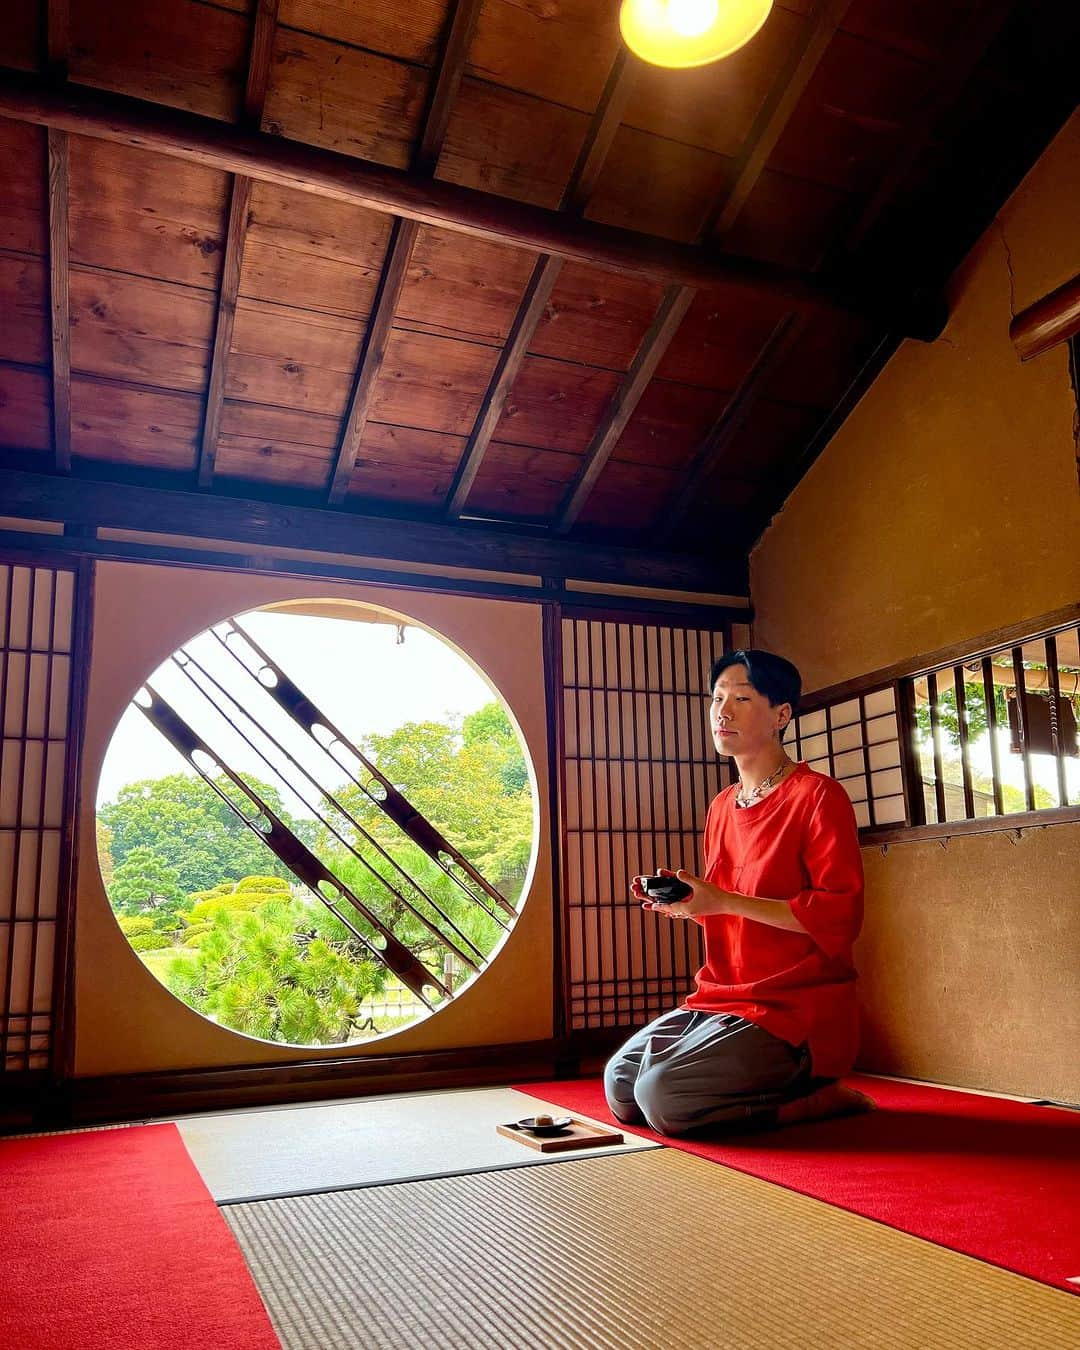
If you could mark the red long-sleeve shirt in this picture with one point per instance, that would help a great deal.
(798, 844)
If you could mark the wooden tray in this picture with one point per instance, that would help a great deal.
(578, 1134)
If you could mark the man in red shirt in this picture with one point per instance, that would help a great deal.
(772, 1022)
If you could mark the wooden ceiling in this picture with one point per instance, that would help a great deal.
(470, 261)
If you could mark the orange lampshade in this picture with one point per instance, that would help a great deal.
(689, 32)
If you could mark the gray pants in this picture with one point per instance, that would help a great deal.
(689, 1070)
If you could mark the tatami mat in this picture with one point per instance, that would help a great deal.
(649, 1251)
(372, 1141)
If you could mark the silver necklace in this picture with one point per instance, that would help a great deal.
(744, 798)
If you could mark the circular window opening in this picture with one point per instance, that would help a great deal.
(315, 823)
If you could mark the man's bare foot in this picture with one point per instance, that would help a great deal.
(832, 1100)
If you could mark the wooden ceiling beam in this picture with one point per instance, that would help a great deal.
(723, 431)
(258, 79)
(57, 38)
(677, 300)
(776, 111)
(594, 150)
(327, 173)
(403, 235)
(100, 504)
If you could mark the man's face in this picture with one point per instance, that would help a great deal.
(742, 721)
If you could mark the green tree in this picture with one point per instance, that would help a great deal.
(144, 881)
(191, 830)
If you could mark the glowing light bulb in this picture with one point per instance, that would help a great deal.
(690, 18)
(683, 33)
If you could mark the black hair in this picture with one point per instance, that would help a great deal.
(777, 679)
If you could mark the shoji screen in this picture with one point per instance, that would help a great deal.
(639, 772)
(36, 649)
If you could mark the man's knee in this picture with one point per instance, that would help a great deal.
(619, 1090)
(665, 1109)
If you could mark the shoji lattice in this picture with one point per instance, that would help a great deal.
(640, 771)
(858, 742)
(36, 636)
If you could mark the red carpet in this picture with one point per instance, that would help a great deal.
(110, 1241)
(995, 1179)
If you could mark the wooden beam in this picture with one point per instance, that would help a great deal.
(27, 495)
(239, 206)
(58, 297)
(403, 235)
(58, 38)
(605, 123)
(1053, 319)
(530, 312)
(731, 420)
(677, 300)
(776, 111)
(597, 143)
(214, 144)
(258, 78)
(394, 273)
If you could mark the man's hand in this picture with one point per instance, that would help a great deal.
(706, 899)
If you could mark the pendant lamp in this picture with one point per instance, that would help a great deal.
(689, 32)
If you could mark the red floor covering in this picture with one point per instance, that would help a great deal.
(110, 1241)
(995, 1179)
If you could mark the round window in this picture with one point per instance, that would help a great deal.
(315, 823)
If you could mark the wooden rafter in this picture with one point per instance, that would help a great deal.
(723, 431)
(59, 301)
(338, 177)
(57, 33)
(258, 78)
(776, 111)
(586, 171)
(97, 503)
(399, 250)
(677, 300)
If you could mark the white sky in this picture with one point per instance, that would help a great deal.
(356, 673)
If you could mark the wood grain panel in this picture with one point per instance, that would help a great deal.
(406, 465)
(511, 144)
(177, 52)
(431, 382)
(669, 424)
(559, 50)
(850, 121)
(24, 303)
(772, 433)
(144, 331)
(657, 186)
(465, 286)
(344, 99)
(335, 251)
(596, 317)
(719, 338)
(556, 406)
(26, 409)
(714, 106)
(275, 445)
(137, 212)
(629, 497)
(292, 358)
(153, 428)
(789, 220)
(24, 220)
(20, 34)
(517, 480)
(409, 31)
